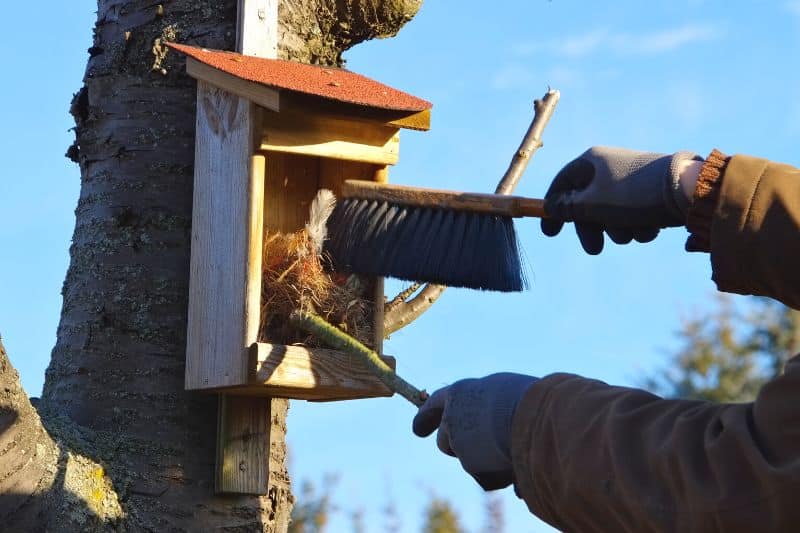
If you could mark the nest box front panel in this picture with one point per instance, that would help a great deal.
(217, 322)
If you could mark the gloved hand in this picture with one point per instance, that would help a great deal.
(474, 421)
(628, 194)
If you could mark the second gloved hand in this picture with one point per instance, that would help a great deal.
(627, 194)
(474, 417)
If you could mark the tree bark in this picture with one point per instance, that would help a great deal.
(28, 456)
(120, 445)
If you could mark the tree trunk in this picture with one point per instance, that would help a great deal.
(120, 445)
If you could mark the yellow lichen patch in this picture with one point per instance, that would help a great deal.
(87, 481)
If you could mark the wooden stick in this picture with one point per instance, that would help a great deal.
(402, 315)
(473, 202)
(336, 338)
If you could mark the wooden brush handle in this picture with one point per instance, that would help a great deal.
(490, 204)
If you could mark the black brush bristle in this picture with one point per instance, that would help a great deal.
(446, 247)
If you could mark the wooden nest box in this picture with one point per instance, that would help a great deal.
(257, 169)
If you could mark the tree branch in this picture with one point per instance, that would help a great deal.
(542, 112)
(318, 31)
(28, 455)
(402, 313)
(340, 340)
(402, 297)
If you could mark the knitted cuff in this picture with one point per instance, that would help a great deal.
(678, 203)
(704, 202)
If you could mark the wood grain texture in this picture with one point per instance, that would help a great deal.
(264, 96)
(255, 239)
(334, 172)
(243, 445)
(494, 204)
(325, 136)
(381, 175)
(312, 374)
(245, 433)
(257, 28)
(217, 325)
(291, 183)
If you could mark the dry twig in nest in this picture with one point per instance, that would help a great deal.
(294, 278)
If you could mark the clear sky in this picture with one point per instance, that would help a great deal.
(660, 76)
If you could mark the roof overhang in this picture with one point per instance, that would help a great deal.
(307, 88)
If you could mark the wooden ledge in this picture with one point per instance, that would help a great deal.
(311, 374)
(301, 132)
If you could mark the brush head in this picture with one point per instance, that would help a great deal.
(427, 244)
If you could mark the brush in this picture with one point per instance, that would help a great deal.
(445, 237)
(440, 237)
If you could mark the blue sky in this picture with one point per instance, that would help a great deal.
(661, 76)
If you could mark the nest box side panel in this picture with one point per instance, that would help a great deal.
(219, 329)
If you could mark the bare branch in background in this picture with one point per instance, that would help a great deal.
(402, 311)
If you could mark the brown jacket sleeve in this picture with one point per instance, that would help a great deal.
(590, 457)
(755, 230)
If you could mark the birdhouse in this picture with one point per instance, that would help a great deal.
(271, 134)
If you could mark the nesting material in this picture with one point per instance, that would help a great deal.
(296, 276)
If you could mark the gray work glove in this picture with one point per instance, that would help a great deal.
(628, 194)
(474, 417)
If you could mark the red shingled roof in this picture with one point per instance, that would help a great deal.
(325, 82)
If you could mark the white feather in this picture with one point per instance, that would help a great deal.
(320, 211)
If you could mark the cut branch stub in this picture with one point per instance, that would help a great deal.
(402, 297)
(404, 313)
(328, 27)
